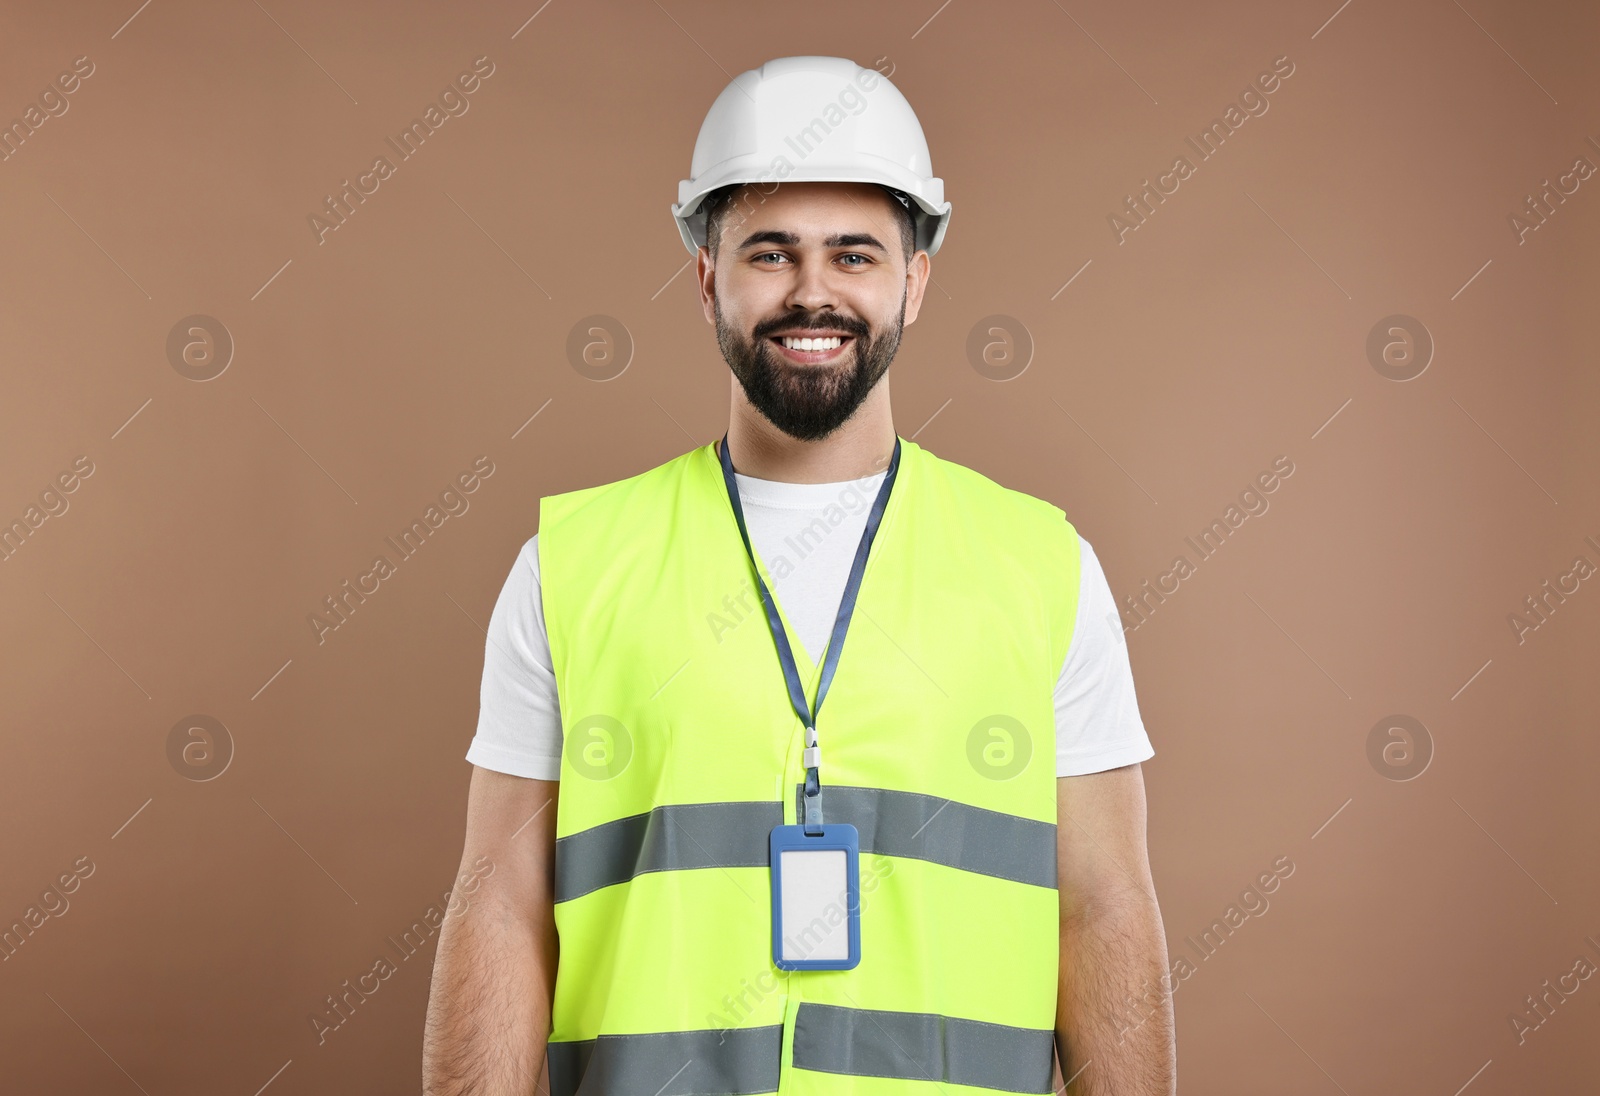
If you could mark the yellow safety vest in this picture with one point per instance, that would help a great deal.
(682, 751)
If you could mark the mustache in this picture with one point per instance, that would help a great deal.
(821, 323)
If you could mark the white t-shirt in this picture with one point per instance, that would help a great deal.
(519, 719)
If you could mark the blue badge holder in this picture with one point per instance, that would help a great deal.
(835, 836)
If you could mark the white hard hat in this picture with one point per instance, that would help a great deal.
(813, 119)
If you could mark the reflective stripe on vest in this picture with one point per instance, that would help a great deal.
(907, 1046)
(672, 1063)
(728, 835)
(920, 1046)
(682, 750)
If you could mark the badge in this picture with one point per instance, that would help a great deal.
(816, 898)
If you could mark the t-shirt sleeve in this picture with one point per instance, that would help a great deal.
(1098, 726)
(519, 719)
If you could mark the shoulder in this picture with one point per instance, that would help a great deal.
(621, 497)
(1008, 530)
(1090, 561)
(1044, 516)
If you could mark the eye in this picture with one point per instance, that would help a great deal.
(770, 255)
(857, 255)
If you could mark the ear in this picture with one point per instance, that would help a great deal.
(705, 274)
(917, 273)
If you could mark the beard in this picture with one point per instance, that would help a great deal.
(808, 402)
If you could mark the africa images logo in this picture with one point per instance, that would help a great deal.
(1138, 608)
(1139, 206)
(453, 102)
(341, 605)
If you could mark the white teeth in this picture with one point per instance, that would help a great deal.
(813, 344)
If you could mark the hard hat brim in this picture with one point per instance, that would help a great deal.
(928, 194)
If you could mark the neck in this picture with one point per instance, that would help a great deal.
(863, 446)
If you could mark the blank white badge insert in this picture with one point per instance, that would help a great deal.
(815, 903)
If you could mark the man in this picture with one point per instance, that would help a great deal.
(961, 907)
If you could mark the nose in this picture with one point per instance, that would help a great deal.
(812, 291)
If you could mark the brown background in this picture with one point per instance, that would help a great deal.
(372, 369)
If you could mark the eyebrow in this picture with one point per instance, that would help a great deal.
(784, 238)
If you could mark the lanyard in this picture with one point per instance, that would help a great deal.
(811, 805)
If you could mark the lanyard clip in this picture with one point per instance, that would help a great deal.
(811, 795)
(810, 802)
(811, 758)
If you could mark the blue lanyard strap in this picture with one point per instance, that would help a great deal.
(811, 804)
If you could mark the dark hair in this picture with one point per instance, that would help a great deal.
(718, 202)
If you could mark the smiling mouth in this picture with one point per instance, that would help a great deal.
(815, 356)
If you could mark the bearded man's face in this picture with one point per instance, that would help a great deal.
(818, 260)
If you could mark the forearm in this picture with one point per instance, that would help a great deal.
(489, 1006)
(1114, 1019)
